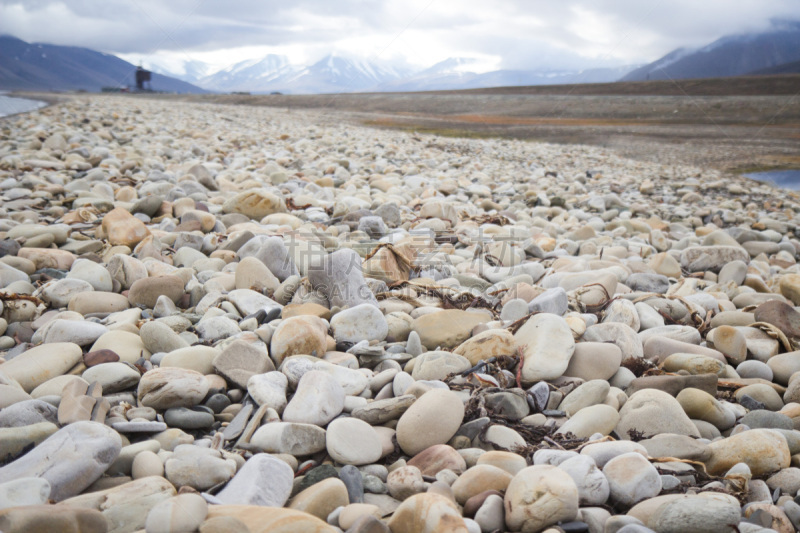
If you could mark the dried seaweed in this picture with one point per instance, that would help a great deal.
(291, 206)
(640, 366)
(11, 296)
(536, 437)
(488, 218)
(450, 298)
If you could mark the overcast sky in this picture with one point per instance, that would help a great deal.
(500, 33)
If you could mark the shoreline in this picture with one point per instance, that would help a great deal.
(26, 104)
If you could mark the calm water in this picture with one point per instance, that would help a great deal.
(10, 106)
(788, 179)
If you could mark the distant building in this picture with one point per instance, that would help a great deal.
(142, 77)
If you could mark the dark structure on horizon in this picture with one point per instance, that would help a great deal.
(142, 76)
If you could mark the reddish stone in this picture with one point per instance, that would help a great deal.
(100, 356)
(438, 457)
(472, 505)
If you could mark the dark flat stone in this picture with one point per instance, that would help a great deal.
(781, 315)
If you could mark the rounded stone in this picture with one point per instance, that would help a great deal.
(594, 360)
(632, 478)
(352, 441)
(359, 323)
(540, 496)
(650, 412)
(184, 512)
(147, 290)
(433, 419)
(763, 450)
(304, 335)
(145, 464)
(547, 345)
(162, 388)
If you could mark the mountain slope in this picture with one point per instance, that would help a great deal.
(729, 56)
(792, 67)
(453, 74)
(334, 74)
(34, 66)
(251, 75)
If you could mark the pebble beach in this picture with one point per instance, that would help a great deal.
(249, 319)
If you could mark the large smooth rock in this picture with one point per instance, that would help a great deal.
(438, 457)
(70, 460)
(24, 491)
(540, 496)
(47, 518)
(707, 512)
(27, 412)
(626, 339)
(351, 441)
(433, 419)
(241, 360)
(547, 345)
(260, 519)
(437, 365)
(269, 389)
(364, 322)
(146, 291)
(340, 279)
(199, 468)
(120, 227)
(593, 488)
(162, 388)
(125, 507)
(298, 335)
(289, 437)
(599, 418)
(427, 513)
(763, 450)
(184, 512)
(77, 332)
(273, 254)
(631, 478)
(652, 412)
(490, 343)
(448, 328)
(713, 258)
(480, 478)
(197, 358)
(41, 363)
(594, 360)
(263, 480)
(255, 203)
(318, 399)
(320, 499)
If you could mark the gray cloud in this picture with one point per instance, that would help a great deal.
(520, 34)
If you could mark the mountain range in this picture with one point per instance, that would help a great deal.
(335, 73)
(733, 55)
(36, 66)
(47, 67)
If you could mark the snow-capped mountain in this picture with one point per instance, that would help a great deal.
(334, 73)
(454, 73)
(254, 75)
(732, 55)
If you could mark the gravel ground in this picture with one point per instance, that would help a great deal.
(243, 318)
